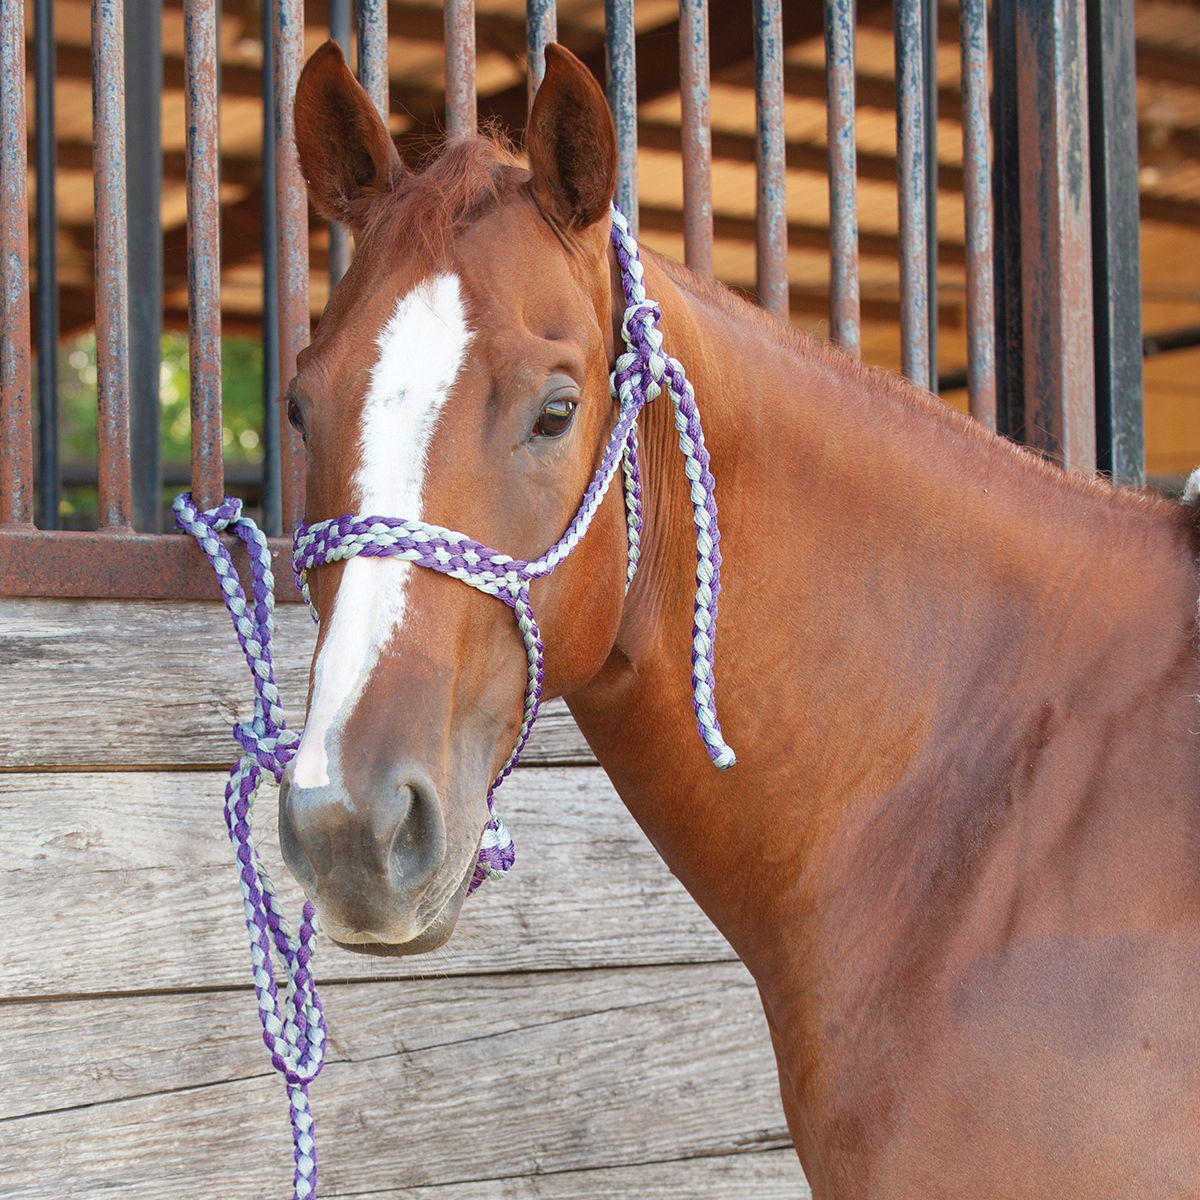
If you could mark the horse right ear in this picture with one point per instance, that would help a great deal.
(347, 156)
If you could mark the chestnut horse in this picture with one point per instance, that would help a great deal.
(960, 849)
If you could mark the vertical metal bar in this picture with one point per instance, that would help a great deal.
(622, 100)
(112, 267)
(977, 197)
(770, 159)
(912, 176)
(292, 242)
(46, 152)
(143, 137)
(844, 305)
(204, 250)
(339, 235)
(1116, 252)
(16, 421)
(929, 44)
(541, 28)
(372, 53)
(696, 136)
(272, 513)
(1056, 240)
(460, 68)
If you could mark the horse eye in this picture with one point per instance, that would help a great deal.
(295, 420)
(555, 418)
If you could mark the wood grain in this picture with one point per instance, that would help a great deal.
(150, 683)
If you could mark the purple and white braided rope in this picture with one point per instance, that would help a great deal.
(294, 1031)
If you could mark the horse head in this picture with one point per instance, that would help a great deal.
(458, 377)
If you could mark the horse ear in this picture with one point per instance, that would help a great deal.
(571, 141)
(347, 155)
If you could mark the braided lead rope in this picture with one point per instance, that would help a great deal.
(294, 1031)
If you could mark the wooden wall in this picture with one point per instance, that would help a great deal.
(586, 1033)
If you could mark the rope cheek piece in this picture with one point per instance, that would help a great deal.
(294, 1031)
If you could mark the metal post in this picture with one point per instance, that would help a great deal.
(339, 235)
(143, 136)
(977, 199)
(696, 136)
(372, 53)
(1116, 252)
(112, 267)
(272, 512)
(46, 152)
(844, 305)
(622, 99)
(929, 43)
(1056, 240)
(292, 242)
(460, 68)
(541, 28)
(770, 158)
(912, 180)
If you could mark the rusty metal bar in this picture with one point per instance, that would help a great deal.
(272, 501)
(771, 271)
(845, 311)
(460, 68)
(619, 35)
(541, 28)
(912, 175)
(372, 20)
(977, 189)
(112, 267)
(339, 235)
(204, 250)
(929, 45)
(292, 242)
(16, 422)
(696, 136)
(1056, 276)
(46, 153)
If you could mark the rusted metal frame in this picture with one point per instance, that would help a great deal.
(696, 136)
(461, 120)
(112, 266)
(292, 244)
(272, 513)
(912, 178)
(1056, 241)
(929, 43)
(621, 69)
(16, 424)
(541, 28)
(46, 170)
(339, 235)
(771, 274)
(144, 176)
(372, 18)
(1116, 251)
(845, 310)
(977, 198)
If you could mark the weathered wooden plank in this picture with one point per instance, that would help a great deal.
(111, 881)
(106, 683)
(681, 1076)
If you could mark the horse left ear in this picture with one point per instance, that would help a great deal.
(571, 141)
(347, 156)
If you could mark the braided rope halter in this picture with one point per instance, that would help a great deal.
(295, 1034)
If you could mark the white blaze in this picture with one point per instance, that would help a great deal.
(421, 351)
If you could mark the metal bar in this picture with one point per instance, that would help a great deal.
(46, 155)
(911, 183)
(272, 512)
(845, 312)
(619, 35)
(1116, 250)
(112, 267)
(460, 68)
(541, 28)
(372, 20)
(977, 188)
(696, 136)
(929, 44)
(144, 174)
(16, 426)
(339, 235)
(292, 243)
(771, 278)
(1056, 241)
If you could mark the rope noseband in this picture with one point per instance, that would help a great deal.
(295, 1032)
